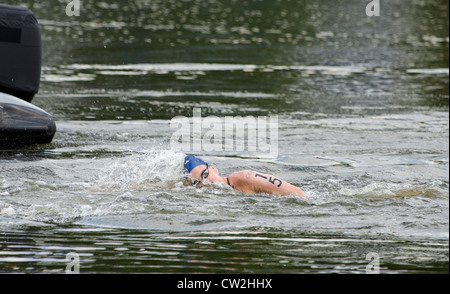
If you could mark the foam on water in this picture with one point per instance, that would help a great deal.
(152, 166)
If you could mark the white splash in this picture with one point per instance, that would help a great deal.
(153, 166)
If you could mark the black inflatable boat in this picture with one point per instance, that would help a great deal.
(21, 123)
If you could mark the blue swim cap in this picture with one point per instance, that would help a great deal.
(190, 162)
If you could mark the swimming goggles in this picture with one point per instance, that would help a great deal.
(203, 175)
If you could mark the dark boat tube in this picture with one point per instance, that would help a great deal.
(20, 52)
(22, 123)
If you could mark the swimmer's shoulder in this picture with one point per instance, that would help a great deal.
(241, 175)
(241, 180)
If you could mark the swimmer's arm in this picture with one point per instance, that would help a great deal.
(254, 182)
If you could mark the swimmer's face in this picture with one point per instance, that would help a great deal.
(209, 173)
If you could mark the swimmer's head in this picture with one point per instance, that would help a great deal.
(197, 170)
(191, 162)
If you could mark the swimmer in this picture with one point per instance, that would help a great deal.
(247, 181)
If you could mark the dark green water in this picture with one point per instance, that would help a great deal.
(362, 108)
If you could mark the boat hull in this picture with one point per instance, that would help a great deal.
(22, 123)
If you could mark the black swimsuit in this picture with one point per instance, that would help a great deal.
(228, 181)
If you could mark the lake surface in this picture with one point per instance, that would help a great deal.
(361, 106)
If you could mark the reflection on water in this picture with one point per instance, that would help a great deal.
(111, 250)
(362, 106)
